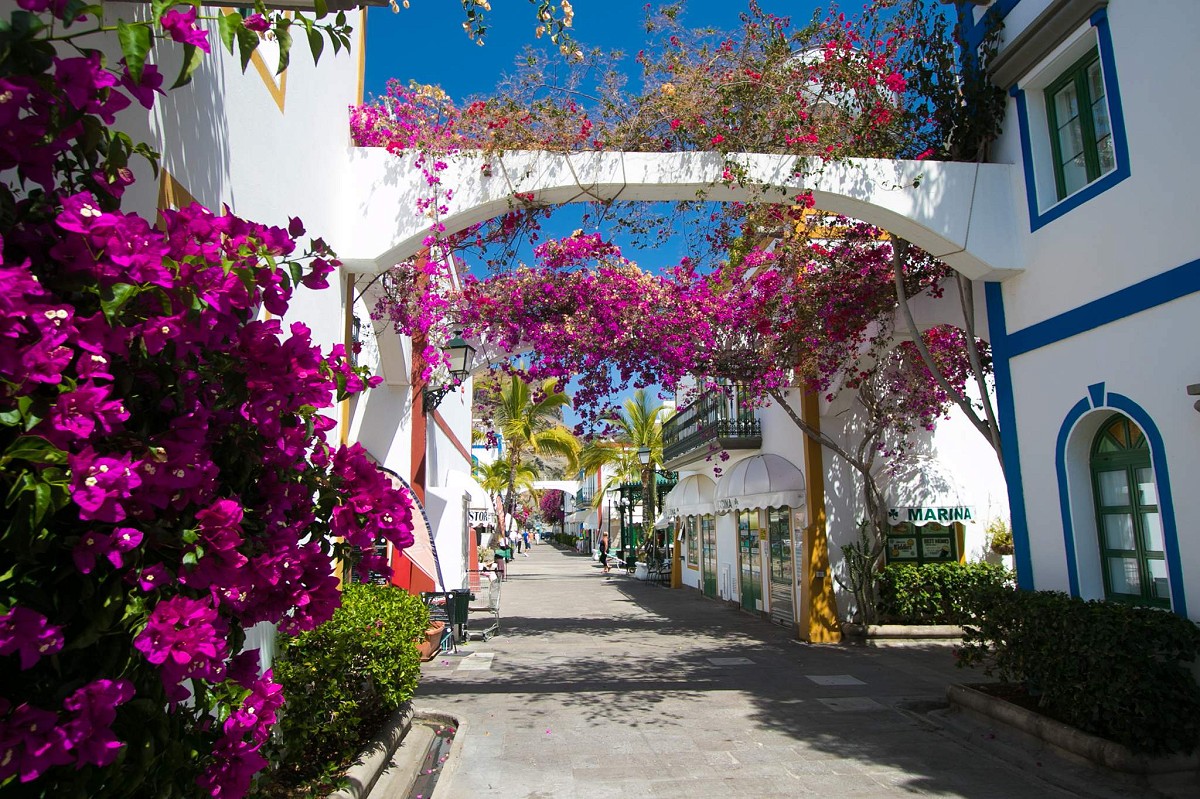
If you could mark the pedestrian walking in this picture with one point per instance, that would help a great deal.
(604, 553)
(525, 541)
(501, 565)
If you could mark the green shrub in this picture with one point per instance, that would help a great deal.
(935, 593)
(1116, 671)
(344, 678)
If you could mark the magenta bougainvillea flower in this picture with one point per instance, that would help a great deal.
(181, 26)
(185, 638)
(31, 741)
(29, 634)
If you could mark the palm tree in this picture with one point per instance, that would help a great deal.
(639, 426)
(494, 477)
(530, 424)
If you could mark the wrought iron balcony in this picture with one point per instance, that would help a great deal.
(719, 419)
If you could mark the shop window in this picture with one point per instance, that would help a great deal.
(692, 539)
(1080, 133)
(927, 543)
(1128, 525)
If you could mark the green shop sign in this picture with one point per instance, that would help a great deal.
(923, 515)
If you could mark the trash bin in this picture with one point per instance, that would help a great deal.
(462, 606)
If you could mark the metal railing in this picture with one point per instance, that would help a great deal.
(720, 416)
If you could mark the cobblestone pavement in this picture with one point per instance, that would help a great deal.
(610, 687)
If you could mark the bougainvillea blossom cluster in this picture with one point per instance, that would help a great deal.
(168, 479)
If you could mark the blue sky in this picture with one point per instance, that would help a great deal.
(426, 42)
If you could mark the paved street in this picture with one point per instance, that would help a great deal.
(615, 688)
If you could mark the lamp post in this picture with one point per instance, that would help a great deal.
(649, 474)
(623, 504)
(461, 355)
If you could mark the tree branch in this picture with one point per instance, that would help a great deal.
(899, 251)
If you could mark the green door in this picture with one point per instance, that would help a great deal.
(749, 560)
(1130, 532)
(708, 554)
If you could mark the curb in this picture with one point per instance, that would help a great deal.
(1096, 750)
(374, 759)
(883, 634)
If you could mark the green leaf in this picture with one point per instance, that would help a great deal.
(228, 25)
(43, 498)
(34, 449)
(116, 298)
(320, 8)
(316, 44)
(10, 418)
(192, 56)
(284, 37)
(247, 42)
(337, 43)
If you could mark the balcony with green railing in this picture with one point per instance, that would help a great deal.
(719, 419)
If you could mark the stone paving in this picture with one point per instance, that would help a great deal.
(610, 687)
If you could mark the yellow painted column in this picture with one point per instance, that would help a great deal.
(818, 609)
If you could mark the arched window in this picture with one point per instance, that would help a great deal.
(1130, 530)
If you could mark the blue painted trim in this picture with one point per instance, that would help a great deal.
(1006, 409)
(1116, 116)
(1026, 151)
(1064, 498)
(972, 31)
(1166, 505)
(1096, 393)
(1150, 293)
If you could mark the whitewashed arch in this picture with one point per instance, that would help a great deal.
(962, 213)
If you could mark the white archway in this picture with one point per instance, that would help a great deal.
(963, 214)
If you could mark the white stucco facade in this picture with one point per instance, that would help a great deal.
(1103, 322)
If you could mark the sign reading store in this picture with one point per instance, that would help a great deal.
(924, 515)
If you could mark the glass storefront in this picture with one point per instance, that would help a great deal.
(750, 560)
(708, 548)
(781, 570)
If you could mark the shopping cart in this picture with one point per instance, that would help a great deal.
(484, 587)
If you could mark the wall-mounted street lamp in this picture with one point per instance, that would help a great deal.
(461, 354)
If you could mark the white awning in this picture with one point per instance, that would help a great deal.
(760, 481)
(923, 491)
(693, 496)
(481, 509)
(663, 521)
(588, 517)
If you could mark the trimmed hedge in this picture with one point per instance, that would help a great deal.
(343, 679)
(935, 593)
(1120, 672)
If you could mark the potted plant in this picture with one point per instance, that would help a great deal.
(999, 536)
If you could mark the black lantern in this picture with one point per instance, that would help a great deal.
(461, 355)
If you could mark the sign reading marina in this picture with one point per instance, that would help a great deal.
(924, 515)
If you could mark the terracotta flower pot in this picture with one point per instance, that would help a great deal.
(433, 639)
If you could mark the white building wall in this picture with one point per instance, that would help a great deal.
(1139, 227)
(1149, 358)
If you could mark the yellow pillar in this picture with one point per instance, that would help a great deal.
(818, 609)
